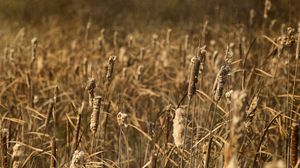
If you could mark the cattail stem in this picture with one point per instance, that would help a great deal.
(53, 157)
(294, 144)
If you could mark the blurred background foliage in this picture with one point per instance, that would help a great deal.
(135, 12)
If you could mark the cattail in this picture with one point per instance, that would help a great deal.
(228, 97)
(186, 42)
(55, 94)
(91, 85)
(115, 39)
(268, 5)
(294, 144)
(251, 18)
(204, 33)
(53, 153)
(124, 72)
(49, 113)
(17, 156)
(122, 119)
(4, 156)
(251, 111)
(130, 41)
(238, 103)
(168, 36)
(275, 164)
(88, 26)
(298, 43)
(220, 82)
(139, 72)
(110, 69)
(95, 114)
(154, 40)
(194, 72)
(78, 160)
(178, 127)
(34, 43)
(12, 56)
(77, 127)
(142, 53)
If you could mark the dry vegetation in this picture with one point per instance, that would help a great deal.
(221, 96)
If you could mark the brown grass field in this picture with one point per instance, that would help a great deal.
(222, 94)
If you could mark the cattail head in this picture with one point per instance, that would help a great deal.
(228, 96)
(195, 71)
(140, 72)
(298, 43)
(55, 94)
(220, 82)
(178, 126)
(110, 69)
(142, 53)
(34, 43)
(275, 164)
(90, 87)
(130, 41)
(78, 159)
(168, 36)
(154, 40)
(115, 39)
(252, 15)
(186, 42)
(17, 155)
(268, 5)
(95, 114)
(122, 119)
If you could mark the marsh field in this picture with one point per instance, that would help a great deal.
(137, 84)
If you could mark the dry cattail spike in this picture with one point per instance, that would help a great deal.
(154, 40)
(294, 144)
(124, 72)
(34, 43)
(115, 39)
(3, 152)
(251, 111)
(220, 82)
(268, 5)
(186, 42)
(251, 18)
(142, 53)
(95, 114)
(238, 103)
(90, 87)
(139, 73)
(168, 36)
(12, 55)
(178, 126)
(275, 164)
(298, 43)
(88, 26)
(78, 160)
(110, 69)
(53, 157)
(55, 94)
(195, 72)
(130, 41)
(122, 119)
(17, 156)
